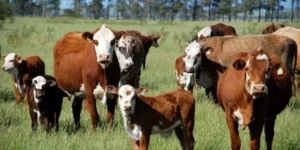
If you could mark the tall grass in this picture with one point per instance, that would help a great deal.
(37, 36)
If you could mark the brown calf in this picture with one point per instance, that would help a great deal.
(252, 91)
(45, 102)
(161, 114)
(219, 29)
(22, 71)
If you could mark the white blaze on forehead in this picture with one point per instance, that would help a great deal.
(9, 57)
(205, 32)
(126, 98)
(104, 36)
(9, 64)
(192, 52)
(262, 57)
(124, 63)
(193, 48)
(38, 82)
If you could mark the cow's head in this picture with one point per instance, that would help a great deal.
(154, 39)
(257, 72)
(192, 58)
(40, 84)
(126, 97)
(103, 40)
(11, 63)
(187, 80)
(125, 50)
(204, 33)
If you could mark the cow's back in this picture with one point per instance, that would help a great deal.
(68, 56)
(36, 66)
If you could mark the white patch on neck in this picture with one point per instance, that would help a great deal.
(135, 133)
(262, 57)
(20, 87)
(205, 32)
(167, 131)
(38, 112)
(35, 99)
(187, 80)
(238, 115)
(100, 94)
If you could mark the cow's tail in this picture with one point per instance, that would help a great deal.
(291, 62)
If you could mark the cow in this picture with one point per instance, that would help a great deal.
(45, 102)
(294, 34)
(130, 53)
(161, 114)
(219, 29)
(216, 53)
(252, 91)
(22, 71)
(79, 69)
(184, 80)
(270, 28)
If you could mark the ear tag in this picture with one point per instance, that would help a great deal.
(280, 71)
(208, 53)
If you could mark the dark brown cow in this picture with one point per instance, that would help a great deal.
(219, 29)
(184, 80)
(270, 28)
(45, 101)
(22, 72)
(253, 90)
(220, 51)
(161, 114)
(78, 69)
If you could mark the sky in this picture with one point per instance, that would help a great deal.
(69, 3)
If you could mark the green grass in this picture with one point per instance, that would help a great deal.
(36, 36)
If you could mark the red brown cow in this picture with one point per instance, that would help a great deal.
(45, 101)
(161, 114)
(22, 71)
(219, 29)
(270, 28)
(78, 69)
(253, 90)
(184, 80)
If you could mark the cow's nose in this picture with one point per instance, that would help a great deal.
(127, 108)
(260, 89)
(104, 57)
(190, 69)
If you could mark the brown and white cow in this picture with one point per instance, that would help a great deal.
(216, 53)
(45, 102)
(22, 71)
(130, 53)
(219, 29)
(79, 69)
(184, 80)
(294, 34)
(253, 90)
(161, 114)
(270, 28)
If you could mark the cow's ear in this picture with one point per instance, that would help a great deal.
(51, 83)
(112, 89)
(141, 91)
(155, 37)
(239, 64)
(3, 57)
(87, 36)
(18, 59)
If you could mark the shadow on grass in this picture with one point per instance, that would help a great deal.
(6, 96)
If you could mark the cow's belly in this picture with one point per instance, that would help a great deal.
(166, 132)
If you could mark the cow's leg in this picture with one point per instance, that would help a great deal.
(269, 132)
(134, 144)
(180, 135)
(57, 115)
(234, 132)
(91, 106)
(144, 140)
(111, 106)
(255, 132)
(189, 131)
(44, 121)
(33, 117)
(76, 108)
(26, 94)
(17, 92)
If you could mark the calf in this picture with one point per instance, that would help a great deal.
(22, 71)
(219, 29)
(45, 101)
(130, 54)
(144, 116)
(252, 91)
(184, 80)
(270, 28)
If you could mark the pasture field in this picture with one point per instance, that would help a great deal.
(36, 36)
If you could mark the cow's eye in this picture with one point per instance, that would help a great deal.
(11, 61)
(95, 42)
(120, 97)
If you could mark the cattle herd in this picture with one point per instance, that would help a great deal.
(251, 77)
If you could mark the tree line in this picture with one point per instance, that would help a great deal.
(231, 10)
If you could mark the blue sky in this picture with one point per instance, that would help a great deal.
(69, 3)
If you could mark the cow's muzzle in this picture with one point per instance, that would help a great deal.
(103, 59)
(259, 90)
(38, 93)
(189, 70)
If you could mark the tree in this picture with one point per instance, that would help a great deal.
(54, 6)
(225, 8)
(6, 12)
(292, 9)
(95, 8)
(208, 3)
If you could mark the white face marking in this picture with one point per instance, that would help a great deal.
(167, 131)
(126, 99)
(38, 112)
(39, 82)
(9, 64)
(205, 32)
(262, 57)
(104, 36)
(238, 115)
(192, 58)
(123, 47)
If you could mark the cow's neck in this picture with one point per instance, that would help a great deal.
(22, 69)
(147, 44)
